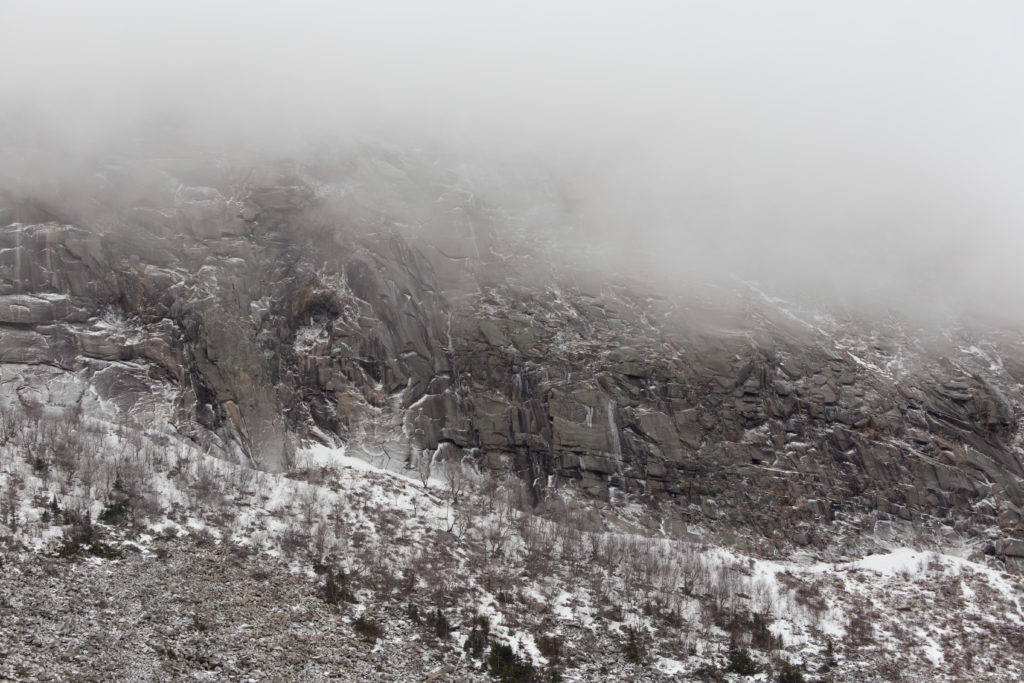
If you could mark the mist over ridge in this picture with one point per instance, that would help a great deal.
(526, 341)
(870, 153)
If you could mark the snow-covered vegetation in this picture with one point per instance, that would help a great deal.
(438, 570)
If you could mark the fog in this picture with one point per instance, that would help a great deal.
(870, 151)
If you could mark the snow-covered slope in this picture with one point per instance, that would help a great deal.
(353, 570)
(375, 367)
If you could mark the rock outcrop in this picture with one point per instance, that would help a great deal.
(382, 300)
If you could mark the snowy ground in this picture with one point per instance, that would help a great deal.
(356, 571)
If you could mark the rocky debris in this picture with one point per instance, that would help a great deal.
(381, 296)
(191, 612)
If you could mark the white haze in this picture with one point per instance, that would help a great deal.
(871, 150)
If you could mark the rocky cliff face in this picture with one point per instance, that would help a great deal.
(379, 300)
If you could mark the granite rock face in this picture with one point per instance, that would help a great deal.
(382, 300)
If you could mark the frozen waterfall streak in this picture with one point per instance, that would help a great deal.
(616, 443)
(472, 234)
(17, 259)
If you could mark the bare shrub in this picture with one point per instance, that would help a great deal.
(206, 485)
(11, 427)
(244, 478)
(367, 627)
(423, 467)
(860, 631)
(294, 540)
(323, 540)
(336, 587)
(10, 501)
(550, 647)
(458, 477)
(463, 520)
(536, 542)
(809, 596)
(310, 505)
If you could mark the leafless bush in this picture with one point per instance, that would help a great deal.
(423, 465)
(463, 521)
(244, 478)
(385, 455)
(458, 477)
(310, 505)
(495, 534)
(10, 501)
(182, 468)
(762, 597)
(891, 670)
(323, 540)
(11, 427)
(156, 456)
(206, 485)
(367, 627)
(860, 631)
(203, 538)
(336, 588)
(537, 542)
(67, 449)
(294, 540)
(693, 572)
(570, 544)
(809, 596)
(134, 475)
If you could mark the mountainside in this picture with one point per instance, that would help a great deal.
(384, 301)
(423, 317)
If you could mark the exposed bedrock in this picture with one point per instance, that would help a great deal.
(395, 306)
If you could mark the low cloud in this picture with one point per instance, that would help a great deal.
(871, 151)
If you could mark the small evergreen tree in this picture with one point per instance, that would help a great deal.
(336, 588)
(636, 646)
(740, 661)
(477, 639)
(439, 622)
(790, 674)
(508, 667)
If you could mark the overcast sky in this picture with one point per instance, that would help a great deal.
(874, 147)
